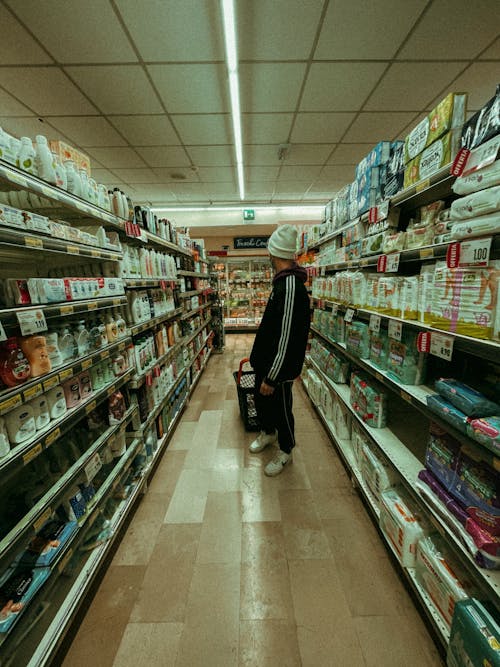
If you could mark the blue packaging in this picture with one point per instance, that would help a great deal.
(379, 154)
(475, 635)
(465, 398)
(448, 412)
(46, 546)
(18, 585)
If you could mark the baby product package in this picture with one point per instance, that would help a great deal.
(357, 339)
(448, 412)
(379, 346)
(17, 587)
(377, 474)
(337, 369)
(441, 455)
(475, 635)
(389, 289)
(425, 293)
(368, 401)
(358, 441)
(47, 544)
(400, 523)
(465, 398)
(486, 431)
(485, 224)
(481, 179)
(441, 577)
(418, 236)
(484, 124)
(394, 242)
(342, 421)
(432, 159)
(408, 300)
(476, 204)
(464, 300)
(404, 361)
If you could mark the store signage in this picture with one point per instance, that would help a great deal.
(395, 329)
(469, 253)
(250, 242)
(248, 214)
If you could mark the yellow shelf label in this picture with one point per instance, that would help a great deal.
(105, 354)
(32, 392)
(32, 454)
(95, 253)
(65, 375)
(406, 397)
(10, 403)
(66, 310)
(86, 364)
(50, 383)
(117, 301)
(92, 306)
(52, 437)
(425, 253)
(423, 185)
(111, 390)
(73, 250)
(90, 406)
(32, 242)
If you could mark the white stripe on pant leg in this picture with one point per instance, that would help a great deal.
(286, 415)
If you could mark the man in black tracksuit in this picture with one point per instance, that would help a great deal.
(279, 349)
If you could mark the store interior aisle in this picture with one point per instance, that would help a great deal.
(224, 566)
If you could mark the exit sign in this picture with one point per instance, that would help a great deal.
(248, 214)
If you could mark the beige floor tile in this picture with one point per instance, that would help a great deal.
(138, 542)
(325, 628)
(213, 400)
(260, 500)
(269, 643)
(149, 644)
(265, 591)
(183, 436)
(167, 473)
(302, 528)
(107, 617)
(262, 542)
(226, 480)
(193, 411)
(220, 540)
(189, 498)
(228, 459)
(211, 630)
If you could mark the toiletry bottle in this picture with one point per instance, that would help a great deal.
(84, 180)
(82, 339)
(85, 384)
(56, 402)
(44, 160)
(41, 411)
(67, 345)
(61, 178)
(4, 439)
(117, 203)
(111, 328)
(20, 424)
(27, 156)
(52, 340)
(95, 337)
(92, 190)
(14, 366)
(119, 364)
(103, 332)
(72, 392)
(37, 354)
(97, 377)
(74, 184)
(102, 194)
(121, 325)
(130, 207)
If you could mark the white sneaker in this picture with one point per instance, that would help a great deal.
(262, 441)
(277, 464)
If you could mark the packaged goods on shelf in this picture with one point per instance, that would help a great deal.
(393, 170)
(475, 635)
(418, 236)
(377, 474)
(476, 204)
(404, 362)
(481, 179)
(479, 158)
(18, 585)
(342, 420)
(357, 339)
(379, 155)
(484, 124)
(473, 227)
(67, 152)
(368, 401)
(327, 402)
(379, 345)
(394, 242)
(425, 293)
(448, 115)
(432, 159)
(486, 431)
(389, 288)
(358, 441)
(465, 398)
(401, 523)
(48, 543)
(448, 412)
(369, 188)
(353, 233)
(408, 301)
(372, 245)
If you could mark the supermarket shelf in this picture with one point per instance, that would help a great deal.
(195, 292)
(24, 453)
(437, 251)
(139, 380)
(8, 315)
(42, 511)
(186, 316)
(487, 349)
(193, 335)
(15, 396)
(337, 232)
(192, 274)
(18, 240)
(423, 192)
(144, 326)
(197, 354)
(149, 237)
(158, 408)
(200, 372)
(141, 282)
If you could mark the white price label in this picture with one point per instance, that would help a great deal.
(374, 323)
(441, 346)
(93, 467)
(475, 252)
(3, 335)
(31, 321)
(322, 271)
(349, 314)
(392, 262)
(395, 329)
(335, 308)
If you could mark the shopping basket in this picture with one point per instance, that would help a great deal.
(245, 384)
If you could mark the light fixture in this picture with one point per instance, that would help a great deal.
(229, 22)
(311, 208)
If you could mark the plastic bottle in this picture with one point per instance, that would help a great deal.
(6, 152)
(97, 377)
(60, 171)
(93, 192)
(121, 325)
(14, 366)
(82, 338)
(111, 328)
(37, 354)
(56, 402)
(41, 411)
(44, 160)
(67, 345)
(102, 196)
(103, 332)
(74, 183)
(130, 207)
(84, 179)
(20, 424)
(85, 382)
(52, 341)
(27, 156)
(4, 439)
(72, 392)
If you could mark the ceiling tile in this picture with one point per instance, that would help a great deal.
(17, 46)
(296, 188)
(170, 174)
(336, 174)
(375, 127)
(219, 189)
(76, 32)
(350, 153)
(259, 192)
(265, 35)
(215, 174)
(270, 87)
(9, 106)
(146, 130)
(29, 127)
(260, 155)
(187, 88)
(447, 31)
(339, 86)
(365, 29)
(117, 89)
(188, 190)
(266, 128)
(212, 156)
(204, 128)
(154, 193)
(116, 157)
(256, 174)
(308, 153)
(287, 196)
(164, 156)
(318, 195)
(145, 175)
(105, 176)
(479, 80)
(299, 173)
(492, 52)
(88, 130)
(46, 90)
(411, 86)
(187, 30)
(314, 128)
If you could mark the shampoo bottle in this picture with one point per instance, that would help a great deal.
(41, 411)
(61, 178)
(72, 392)
(27, 156)
(74, 183)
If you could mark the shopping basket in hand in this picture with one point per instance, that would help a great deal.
(245, 384)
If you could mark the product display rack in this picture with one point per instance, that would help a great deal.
(40, 629)
(394, 450)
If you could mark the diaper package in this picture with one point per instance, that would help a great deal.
(359, 440)
(408, 300)
(394, 242)
(389, 294)
(476, 204)
(337, 368)
(441, 455)
(357, 339)
(418, 236)
(372, 292)
(400, 524)
(478, 180)
(448, 412)
(441, 577)
(432, 159)
(338, 328)
(342, 421)
(465, 398)
(425, 293)
(404, 361)
(475, 635)
(379, 346)
(377, 474)
(486, 431)
(484, 124)
(17, 587)
(485, 224)
(368, 401)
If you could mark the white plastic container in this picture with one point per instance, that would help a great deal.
(44, 160)
(400, 525)
(4, 439)
(84, 179)
(27, 156)
(74, 183)
(20, 424)
(377, 474)
(56, 402)
(41, 411)
(61, 178)
(6, 149)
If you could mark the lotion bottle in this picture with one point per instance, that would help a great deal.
(41, 411)
(27, 156)
(44, 160)
(74, 183)
(20, 424)
(56, 402)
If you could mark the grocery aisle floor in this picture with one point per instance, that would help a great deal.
(224, 566)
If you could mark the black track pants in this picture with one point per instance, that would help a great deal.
(275, 412)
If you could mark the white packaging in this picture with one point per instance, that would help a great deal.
(41, 411)
(342, 421)
(359, 440)
(37, 223)
(478, 180)
(20, 424)
(377, 474)
(50, 290)
(11, 217)
(56, 402)
(4, 439)
(485, 224)
(400, 525)
(476, 204)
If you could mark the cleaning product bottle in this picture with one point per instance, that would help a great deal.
(97, 377)
(102, 196)
(82, 338)
(95, 337)
(14, 366)
(121, 325)
(52, 341)
(44, 160)
(56, 402)
(93, 193)
(85, 384)
(61, 178)
(27, 156)
(20, 424)
(6, 149)
(74, 183)
(67, 345)
(35, 351)
(4, 439)
(117, 203)
(103, 332)
(41, 411)
(72, 392)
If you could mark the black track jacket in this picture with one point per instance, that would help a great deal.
(280, 343)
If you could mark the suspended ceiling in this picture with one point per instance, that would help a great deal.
(141, 86)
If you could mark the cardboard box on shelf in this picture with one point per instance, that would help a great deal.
(67, 152)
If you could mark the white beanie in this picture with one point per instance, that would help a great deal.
(283, 242)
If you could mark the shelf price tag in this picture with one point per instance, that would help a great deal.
(31, 321)
(441, 346)
(33, 242)
(50, 383)
(93, 467)
(66, 374)
(381, 263)
(32, 454)
(469, 253)
(395, 329)
(3, 335)
(374, 323)
(32, 391)
(73, 249)
(52, 437)
(10, 403)
(392, 264)
(349, 314)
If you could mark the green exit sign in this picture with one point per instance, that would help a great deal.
(248, 214)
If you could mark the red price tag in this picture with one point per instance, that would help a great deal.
(459, 162)
(469, 253)
(381, 264)
(424, 341)
(373, 215)
(149, 380)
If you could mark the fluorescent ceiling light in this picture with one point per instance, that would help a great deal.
(313, 208)
(234, 86)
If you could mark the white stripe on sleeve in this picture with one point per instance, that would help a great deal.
(286, 326)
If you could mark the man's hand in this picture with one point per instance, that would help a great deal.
(266, 389)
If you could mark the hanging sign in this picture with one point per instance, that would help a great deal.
(469, 253)
(250, 242)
